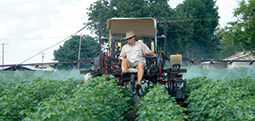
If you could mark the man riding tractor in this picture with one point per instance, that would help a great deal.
(132, 55)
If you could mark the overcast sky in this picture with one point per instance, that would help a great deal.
(29, 26)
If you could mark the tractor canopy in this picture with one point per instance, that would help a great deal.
(142, 27)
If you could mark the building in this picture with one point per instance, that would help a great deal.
(227, 64)
(216, 64)
(19, 67)
(241, 56)
(44, 67)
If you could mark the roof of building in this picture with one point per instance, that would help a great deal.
(239, 56)
(24, 67)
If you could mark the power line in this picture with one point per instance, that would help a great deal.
(203, 39)
(57, 42)
(204, 16)
(189, 20)
(206, 29)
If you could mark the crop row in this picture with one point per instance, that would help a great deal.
(63, 100)
(221, 99)
(98, 99)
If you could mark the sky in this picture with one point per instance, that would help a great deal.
(28, 27)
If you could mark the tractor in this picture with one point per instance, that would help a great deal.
(155, 71)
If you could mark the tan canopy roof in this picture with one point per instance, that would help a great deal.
(145, 27)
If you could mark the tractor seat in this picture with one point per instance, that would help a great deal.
(126, 76)
(132, 70)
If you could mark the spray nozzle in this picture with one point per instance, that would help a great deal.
(211, 62)
(192, 62)
(251, 63)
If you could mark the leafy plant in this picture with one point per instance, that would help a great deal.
(222, 100)
(158, 105)
(97, 99)
(20, 98)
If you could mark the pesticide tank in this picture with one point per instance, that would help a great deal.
(176, 60)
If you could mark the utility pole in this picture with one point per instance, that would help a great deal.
(3, 54)
(79, 53)
(42, 59)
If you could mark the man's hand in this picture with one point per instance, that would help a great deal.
(148, 53)
(120, 57)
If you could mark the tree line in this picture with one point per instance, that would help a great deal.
(200, 17)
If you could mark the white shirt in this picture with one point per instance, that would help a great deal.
(135, 52)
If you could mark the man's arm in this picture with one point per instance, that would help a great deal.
(148, 53)
(146, 50)
(122, 53)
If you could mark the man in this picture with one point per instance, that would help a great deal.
(132, 56)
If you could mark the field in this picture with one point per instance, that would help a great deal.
(212, 95)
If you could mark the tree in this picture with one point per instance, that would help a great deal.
(242, 31)
(69, 51)
(102, 10)
(201, 18)
(175, 34)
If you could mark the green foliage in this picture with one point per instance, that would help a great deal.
(102, 10)
(21, 98)
(40, 99)
(221, 100)
(69, 51)
(228, 98)
(201, 18)
(196, 83)
(157, 105)
(232, 48)
(97, 99)
(241, 32)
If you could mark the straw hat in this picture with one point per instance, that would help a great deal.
(129, 34)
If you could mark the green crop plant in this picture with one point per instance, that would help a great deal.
(157, 105)
(57, 95)
(97, 99)
(222, 100)
(21, 98)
